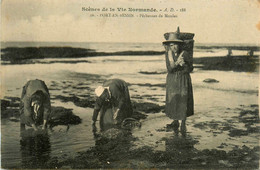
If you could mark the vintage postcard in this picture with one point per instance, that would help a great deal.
(130, 84)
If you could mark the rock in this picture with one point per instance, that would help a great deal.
(130, 123)
(10, 113)
(63, 116)
(200, 125)
(77, 101)
(85, 103)
(210, 80)
(138, 115)
(12, 103)
(152, 72)
(59, 115)
(238, 132)
(66, 167)
(13, 99)
(67, 99)
(225, 163)
(112, 133)
(10, 107)
(14, 119)
(254, 105)
(4, 104)
(147, 107)
(150, 85)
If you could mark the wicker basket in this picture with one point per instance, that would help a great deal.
(182, 35)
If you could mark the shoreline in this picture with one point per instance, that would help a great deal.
(35, 55)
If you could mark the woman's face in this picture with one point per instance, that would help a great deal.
(105, 96)
(174, 47)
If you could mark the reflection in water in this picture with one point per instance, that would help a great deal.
(35, 149)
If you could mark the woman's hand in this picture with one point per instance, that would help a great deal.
(180, 61)
(34, 127)
(44, 124)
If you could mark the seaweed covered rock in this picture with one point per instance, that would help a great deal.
(4, 104)
(77, 101)
(138, 115)
(10, 107)
(63, 116)
(112, 133)
(147, 107)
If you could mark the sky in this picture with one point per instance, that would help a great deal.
(212, 21)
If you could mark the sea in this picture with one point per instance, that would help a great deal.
(200, 49)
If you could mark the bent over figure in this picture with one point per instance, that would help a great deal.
(35, 106)
(113, 103)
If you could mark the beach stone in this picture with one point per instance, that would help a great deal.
(210, 80)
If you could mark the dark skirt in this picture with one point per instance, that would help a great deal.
(179, 96)
(107, 111)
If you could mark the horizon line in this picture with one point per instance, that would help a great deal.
(256, 44)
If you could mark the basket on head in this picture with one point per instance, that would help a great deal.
(183, 38)
(177, 36)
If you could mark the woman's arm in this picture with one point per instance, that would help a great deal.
(47, 112)
(28, 112)
(170, 64)
(95, 115)
(97, 108)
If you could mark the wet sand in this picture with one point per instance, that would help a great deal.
(120, 148)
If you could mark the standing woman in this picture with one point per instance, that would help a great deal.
(179, 95)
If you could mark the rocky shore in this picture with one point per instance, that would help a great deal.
(115, 148)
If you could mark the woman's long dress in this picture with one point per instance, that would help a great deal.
(179, 95)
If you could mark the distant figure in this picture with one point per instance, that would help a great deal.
(229, 52)
(113, 103)
(35, 106)
(179, 94)
(250, 53)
